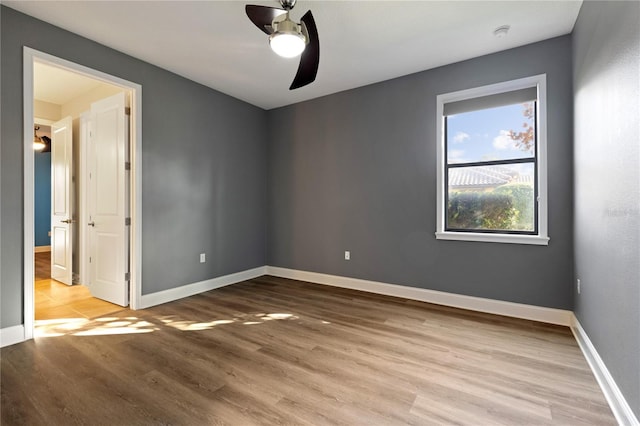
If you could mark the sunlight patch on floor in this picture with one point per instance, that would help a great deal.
(245, 319)
(112, 325)
(97, 327)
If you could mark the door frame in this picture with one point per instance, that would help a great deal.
(30, 56)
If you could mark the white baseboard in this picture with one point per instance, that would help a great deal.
(498, 307)
(615, 398)
(165, 296)
(11, 335)
(41, 249)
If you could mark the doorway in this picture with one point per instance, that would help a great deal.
(32, 61)
(59, 293)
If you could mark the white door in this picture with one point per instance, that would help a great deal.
(107, 195)
(61, 192)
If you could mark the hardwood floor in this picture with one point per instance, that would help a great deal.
(42, 265)
(57, 301)
(278, 351)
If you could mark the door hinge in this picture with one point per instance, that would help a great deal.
(127, 165)
(127, 111)
(127, 221)
(89, 259)
(126, 276)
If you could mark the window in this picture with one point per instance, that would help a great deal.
(491, 163)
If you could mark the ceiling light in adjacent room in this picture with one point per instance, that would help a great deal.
(38, 144)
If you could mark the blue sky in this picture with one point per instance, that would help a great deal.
(483, 135)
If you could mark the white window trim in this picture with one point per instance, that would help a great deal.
(542, 238)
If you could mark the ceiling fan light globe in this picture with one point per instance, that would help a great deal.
(38, 144)
(287, 45)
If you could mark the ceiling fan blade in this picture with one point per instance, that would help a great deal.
(310, 57)
(47, 144)
(263, 16)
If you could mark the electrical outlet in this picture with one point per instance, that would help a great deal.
(347, 255)
(203, 258)
(49, 233)
(578, 285)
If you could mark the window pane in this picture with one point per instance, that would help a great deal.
(499, 198)
(502, 133)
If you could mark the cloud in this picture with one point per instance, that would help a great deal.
(460, 137)
(456, 156)
(504, 141)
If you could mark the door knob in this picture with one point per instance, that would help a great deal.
(67, 221)
(91, 224)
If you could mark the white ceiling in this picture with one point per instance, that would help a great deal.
(361, 42)
(58, 86)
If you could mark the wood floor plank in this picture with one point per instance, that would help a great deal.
(54, 300)
(279, 351)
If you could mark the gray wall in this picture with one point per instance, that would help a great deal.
(357, 171)
(606, 49)
(203, 159)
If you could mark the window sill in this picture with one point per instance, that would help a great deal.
(494, 238)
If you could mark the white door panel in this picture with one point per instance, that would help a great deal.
(110, 162)
(106, 260)
(107, 202)
(60, 249)
(61, 193)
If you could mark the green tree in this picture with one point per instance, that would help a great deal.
(481, 210)
(521, 195)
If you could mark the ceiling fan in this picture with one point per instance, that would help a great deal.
(289, 39)
(41, 143)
